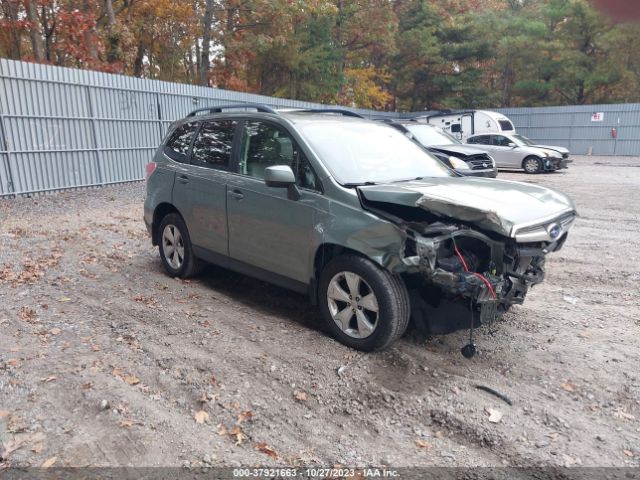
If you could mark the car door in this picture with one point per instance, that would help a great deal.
(506, 156)
(200, 189)
(269, 231)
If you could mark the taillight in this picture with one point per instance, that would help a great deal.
(150, 168)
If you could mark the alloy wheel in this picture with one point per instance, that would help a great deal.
(352, 304)
(173, 246)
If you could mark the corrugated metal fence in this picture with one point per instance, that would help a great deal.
(579, 128)
(66, 128)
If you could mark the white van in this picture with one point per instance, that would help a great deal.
(464, 123)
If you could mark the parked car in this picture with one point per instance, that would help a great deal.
(511, 152)
(530, 143)
(465, 160)
(352, 213)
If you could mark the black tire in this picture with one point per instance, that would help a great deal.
(190, 265)
(391, 295)
(528, 165)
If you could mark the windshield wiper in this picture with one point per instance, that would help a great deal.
(362, 184)
(407, 179)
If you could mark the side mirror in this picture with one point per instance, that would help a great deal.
(279, 176)
(512, 145)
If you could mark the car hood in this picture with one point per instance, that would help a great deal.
(554, 148)
(457, 150)
(500, 206)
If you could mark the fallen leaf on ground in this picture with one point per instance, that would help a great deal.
(132, 380)
(423, 444)
(494, 415)
(244, 416)
(49, 462)
(4, 413)
(300, 395)
(37, 448)
(64, 299)
(48, 379)
(10, 447)
(86, 386)
(264, 448)
(201, 416)
(622, 414)
(568, 386)
(628, 453)
(221, 429)
(28, 315)
(55, 331)
(238, 435)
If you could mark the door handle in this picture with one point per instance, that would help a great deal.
(237, 194)
(183, 179)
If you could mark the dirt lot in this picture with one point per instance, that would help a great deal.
(104, 360)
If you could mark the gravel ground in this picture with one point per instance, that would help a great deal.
(104, 360)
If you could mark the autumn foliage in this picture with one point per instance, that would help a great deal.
(410, 54)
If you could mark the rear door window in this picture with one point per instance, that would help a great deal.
(481, 139)
(177, 147)
(213, 144)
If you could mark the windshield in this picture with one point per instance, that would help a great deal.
(522, 140)
(428, 136)
(361, 152)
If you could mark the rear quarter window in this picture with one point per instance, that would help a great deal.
(179, 142)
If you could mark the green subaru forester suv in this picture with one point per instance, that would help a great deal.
(351, 212)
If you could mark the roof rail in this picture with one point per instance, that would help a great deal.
(340, 111)
(218, 109)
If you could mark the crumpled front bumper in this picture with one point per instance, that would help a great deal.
(552, 164)
(447, 291)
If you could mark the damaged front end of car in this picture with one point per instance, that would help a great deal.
(467, 265)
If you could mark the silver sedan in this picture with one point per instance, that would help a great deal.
(513, 153)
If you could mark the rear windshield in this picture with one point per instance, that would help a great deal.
(365, 152)
(505, 125)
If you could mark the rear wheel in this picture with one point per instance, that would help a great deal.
(176, 250)
(364, 306)
(532, 165)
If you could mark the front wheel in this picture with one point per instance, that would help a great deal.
(176, 250)
(532, 165)
(364, 306)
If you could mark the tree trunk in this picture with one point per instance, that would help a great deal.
(206, 43)
(34, 31)
(137, 64)
(90, 35)
(111, 16)
(227, 40)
